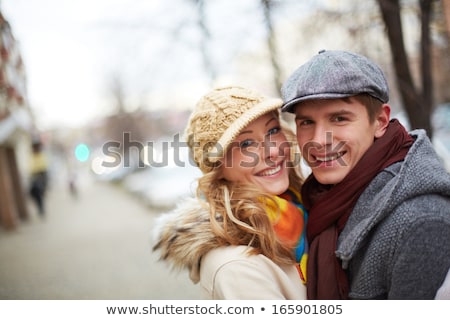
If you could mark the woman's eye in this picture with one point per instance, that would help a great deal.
(247, 143)
(274, 130)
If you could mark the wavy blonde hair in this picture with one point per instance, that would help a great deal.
(237, 211)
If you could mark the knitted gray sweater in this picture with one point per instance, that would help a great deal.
(396, 243)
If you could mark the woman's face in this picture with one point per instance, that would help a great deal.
(259, 155)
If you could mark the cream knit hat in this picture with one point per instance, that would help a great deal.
(218, 118)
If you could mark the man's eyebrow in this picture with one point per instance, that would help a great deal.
(329, 114)
(341, 112)
(301, 116)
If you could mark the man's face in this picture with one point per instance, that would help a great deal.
(334, 134)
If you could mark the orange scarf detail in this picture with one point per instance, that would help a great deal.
(289, 218)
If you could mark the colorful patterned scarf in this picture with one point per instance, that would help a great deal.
(290, 217)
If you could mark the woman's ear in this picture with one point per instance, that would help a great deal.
(382, 120)
(219, 165)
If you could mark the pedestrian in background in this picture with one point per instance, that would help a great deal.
(378, 197)
(38, 175)
(243, 236)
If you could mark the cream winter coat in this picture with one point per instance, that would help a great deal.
(184, 239)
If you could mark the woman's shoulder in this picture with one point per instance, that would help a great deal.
(218, 257)
(233, 272)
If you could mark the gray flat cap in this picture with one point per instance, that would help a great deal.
(334, 75)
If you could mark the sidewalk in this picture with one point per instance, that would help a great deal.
(95, 247)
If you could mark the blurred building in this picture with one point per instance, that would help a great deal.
(15, 130)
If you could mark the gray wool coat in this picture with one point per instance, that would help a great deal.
(396, 243)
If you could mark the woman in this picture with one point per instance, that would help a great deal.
(243, 236)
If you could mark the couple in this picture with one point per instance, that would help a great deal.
(372, 221)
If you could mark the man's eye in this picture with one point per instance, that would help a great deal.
(339, 119)
(301, 123)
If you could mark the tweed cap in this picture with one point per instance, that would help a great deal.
(219, 117)
(334, 75)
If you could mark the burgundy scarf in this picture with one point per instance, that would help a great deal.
(326, 278)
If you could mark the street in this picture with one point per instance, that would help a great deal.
(95, 246)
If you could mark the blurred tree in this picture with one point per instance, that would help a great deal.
(117, 91)
(417, 103)
(446, 9)
(205, 37)
(267, 6)
(123, 125)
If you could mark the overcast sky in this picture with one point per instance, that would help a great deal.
(72, 48)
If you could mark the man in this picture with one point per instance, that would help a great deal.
(378, 197)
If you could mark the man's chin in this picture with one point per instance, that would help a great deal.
(329, 177)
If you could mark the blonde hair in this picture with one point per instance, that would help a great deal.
(238, 214)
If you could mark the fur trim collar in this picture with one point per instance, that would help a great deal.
(183, 236)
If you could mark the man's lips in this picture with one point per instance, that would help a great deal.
(328, 157)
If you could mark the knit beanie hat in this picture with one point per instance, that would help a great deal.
(219, 117)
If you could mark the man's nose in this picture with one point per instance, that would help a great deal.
(321, 135)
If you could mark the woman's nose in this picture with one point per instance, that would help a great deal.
(270, 151)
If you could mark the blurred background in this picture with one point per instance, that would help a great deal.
(95, 95)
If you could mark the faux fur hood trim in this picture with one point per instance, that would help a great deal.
(183, 236)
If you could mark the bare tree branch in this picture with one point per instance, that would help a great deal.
(413, 101)
(267, 8)
(201, 22)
